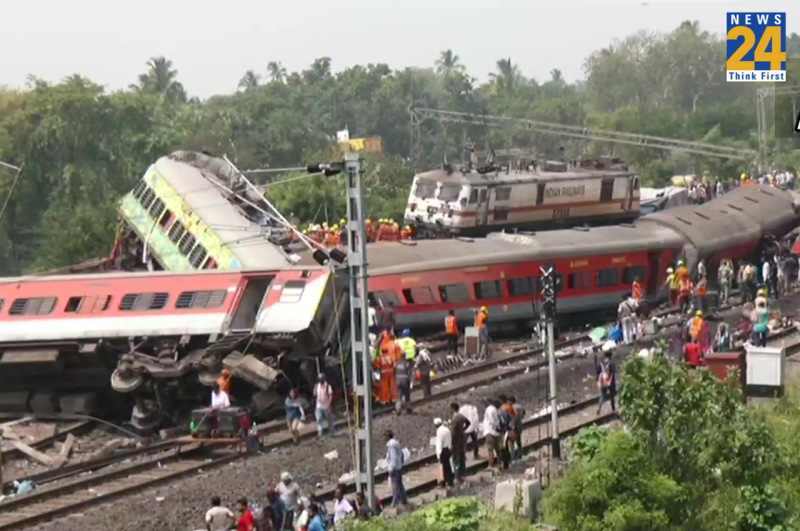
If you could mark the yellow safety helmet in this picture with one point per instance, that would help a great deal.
(699, 313)
(484, 309)
(335, 227)
(670, 270)
(342, 221)
(762, 292)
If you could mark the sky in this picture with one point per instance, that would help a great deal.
(213, 42)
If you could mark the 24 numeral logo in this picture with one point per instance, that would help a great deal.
(774, 58)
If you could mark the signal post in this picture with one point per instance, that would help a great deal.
(549, 306)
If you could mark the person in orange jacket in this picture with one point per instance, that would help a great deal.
(636, 290)
(405, 233)
(700, 292)
(682, 272)
(483, 332)
(451, 330)
(224, 381)
(684, 294)
(386, 389)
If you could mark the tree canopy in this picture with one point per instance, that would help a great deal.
(83, 145)
(693, 457)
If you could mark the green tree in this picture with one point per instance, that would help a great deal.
(249, 80)
(161, 78)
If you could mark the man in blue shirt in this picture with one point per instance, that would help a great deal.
(396, 460)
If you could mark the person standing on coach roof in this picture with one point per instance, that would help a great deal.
(324, 412)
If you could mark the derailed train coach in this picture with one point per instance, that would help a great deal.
(154, 343)
(595, 266)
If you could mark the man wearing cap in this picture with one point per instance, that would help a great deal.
(483, 332)
(324, 412)
(444, 451)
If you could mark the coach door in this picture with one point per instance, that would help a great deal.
(482, 212)
(653, 272)
(250, 303)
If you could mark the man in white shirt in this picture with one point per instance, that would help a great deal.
(491, 431)
(471, 413)
(766, 276)
(219, 398)
(627, 319)
(219, 518)
(444, 451)
(324, 412)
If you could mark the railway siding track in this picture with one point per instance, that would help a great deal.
(48, 503)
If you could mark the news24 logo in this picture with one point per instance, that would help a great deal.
(756, 47)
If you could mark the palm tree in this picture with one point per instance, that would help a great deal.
(556, 77)
(249, 80)
(276, 71)
(161, 79)
(506, 77)
(448, 62)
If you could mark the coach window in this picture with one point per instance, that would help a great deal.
(73, 305)
(503, 193)
(454, 293)
(385, 297)
(198, 256)
(187, 244)
(521, 287)
(176, 232)
(147, 198)
(2, 303)
(491, 289)
(201, 299)
(139, 189)
(292, 291)
(581, 280)
(629, 274)
(606, 190)
(607, 278)
(473, 196)
(501, 213)
(139, 302)
(166, 219)
(157, 209)
(419, 296)
(36, 306)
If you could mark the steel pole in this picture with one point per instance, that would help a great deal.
(551, 354)
(359, 329)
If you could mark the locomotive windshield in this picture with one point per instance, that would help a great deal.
(425, 189)
(449, 192)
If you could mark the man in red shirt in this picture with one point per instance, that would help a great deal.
(246, 519)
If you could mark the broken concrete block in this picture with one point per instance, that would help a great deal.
(506, 492)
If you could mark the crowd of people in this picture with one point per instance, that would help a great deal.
(334, 235)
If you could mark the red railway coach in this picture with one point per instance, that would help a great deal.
(595, 269)
(157, 335)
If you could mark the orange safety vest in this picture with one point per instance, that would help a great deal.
(637, 291)
(224, 384)
(683, 273)
(702, 289)
(405, 234)
(480, 320)
(450, 325)
(697, 327)
(685, 286)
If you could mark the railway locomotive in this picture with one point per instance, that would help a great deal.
(475, 201)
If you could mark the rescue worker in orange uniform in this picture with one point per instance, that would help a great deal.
(684, 293)
(698, 331)
(451, 330)
(224, 381)
(405, 233)
(483, 332)
(386, 391)
(700, 292)
(636, 290)
(682, 271)
(370, 231)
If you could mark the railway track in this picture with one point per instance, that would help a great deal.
(91, 489)
(45, 442)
